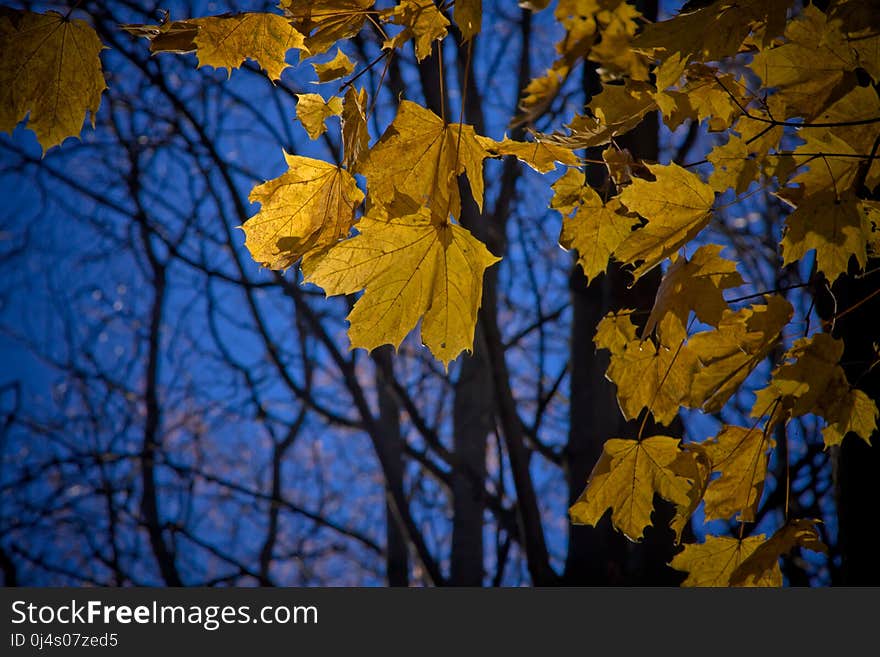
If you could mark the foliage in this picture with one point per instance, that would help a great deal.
(759, 74)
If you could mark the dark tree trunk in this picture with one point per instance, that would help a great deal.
(856, 463)
(397, 552)
(601, 555)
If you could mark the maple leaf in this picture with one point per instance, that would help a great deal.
(709, 34)
(615, 331)
(312, 111)
(729, 353)
(647, 375)
(616, 110)
(627, 476)
(422, 22)
(355, 133)
(468, 15)
(762, 565)
(227, 41)
(807, 68)
(306, 209)
(50, 72)
(810, 380)
(833, 155)
(831, 226)
(740, 161)
(324, 22)
(420, 156)
(594, 229)
(336, 68)
(741, 455)
(540, 154)
(617, 27)
(620, 165)
(692, 285)
(677, 206)
(712, 562)
(706, 95)
(413, 267)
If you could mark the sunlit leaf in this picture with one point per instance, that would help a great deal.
(304, 210)
(50, 73)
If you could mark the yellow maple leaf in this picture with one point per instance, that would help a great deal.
(677, 205)
(336, 68)
(807, 68)
(422, 22)
(648, 375)
(729, 353)
(420, 157)
(708, 34)
(617, 26)
(304, 210)
(324, 22)
(708, 95)
(413, 267)
(712, 562)
(355, 133)
(692, 285)
(540, 154)
(831, 226)
(620, 164)
(227, 41)
(810, 380)
(312, 111)
(593, 228)
(762, 565)
(627, 476)
(616, 110)
(741, 455)
(739, 162)
(833, 156)
(468, 15)
(615, 331)
(50, 72)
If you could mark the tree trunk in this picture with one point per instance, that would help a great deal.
(601, 555)
(397, 553)
(856, 463)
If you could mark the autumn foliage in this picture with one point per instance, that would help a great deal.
(799, 116)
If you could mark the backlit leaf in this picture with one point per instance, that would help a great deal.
(336, 68)
(313, 111)
(414, 267)
(627, 476)
(741, 455)
(304, 210)
(468, 15)
(324, 22)
(762, 565)
(648, 375)
(730, 352)
(541, 155)
(693, 285)
(807, 68)
(420, 157)
(712, 562)
(50, 72)
(677, 206)
(831, 226)
(355, 134)
(594, 229)
(810, 380)
(422, 22)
